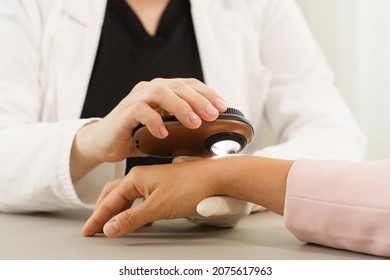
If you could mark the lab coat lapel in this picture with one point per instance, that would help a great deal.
(74, 53)
(220, 33)
(225, 44)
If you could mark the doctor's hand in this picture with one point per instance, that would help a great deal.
(220, 211)
(223, 211)
(109, 139)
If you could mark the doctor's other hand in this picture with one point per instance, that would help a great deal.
(223, 211)
(109, 139)
(219, 211)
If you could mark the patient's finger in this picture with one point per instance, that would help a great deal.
(107, 189)
(130, 220)
(117, 200)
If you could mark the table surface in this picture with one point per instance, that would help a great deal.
(57, 236)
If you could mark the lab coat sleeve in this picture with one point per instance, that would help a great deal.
(340, 204)
(35, 175)
(303, 108)
(34, 153)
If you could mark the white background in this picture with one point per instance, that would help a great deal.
(109, 270)
(355, 36)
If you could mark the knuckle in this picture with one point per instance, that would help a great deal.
(185, 109)
(136, 106)
(128, 112)
(127, 218)
(107, 209)
(135, 172)
(134, 110)
(158, 89)
(108, 187)
(192, 81)
(178, 84)
(157, 80)
(141, 84)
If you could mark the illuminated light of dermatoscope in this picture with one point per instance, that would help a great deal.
(225, 147)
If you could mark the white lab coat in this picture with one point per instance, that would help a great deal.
(258, 54)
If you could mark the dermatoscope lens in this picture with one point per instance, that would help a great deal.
(225, 147)
(225, 143)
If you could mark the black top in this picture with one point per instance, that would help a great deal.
(127, 54)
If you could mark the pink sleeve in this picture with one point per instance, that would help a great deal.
(340, 204)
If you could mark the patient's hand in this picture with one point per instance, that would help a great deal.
(220, 211)
(170, 191)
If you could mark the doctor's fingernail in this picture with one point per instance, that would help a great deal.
(194, 118)
(111, 228)
(163, 131)
(220, 104)
(211, 110)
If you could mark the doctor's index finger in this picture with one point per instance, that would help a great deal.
(189, 100)
(182, 87)
(213, 96)
(204, 90)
